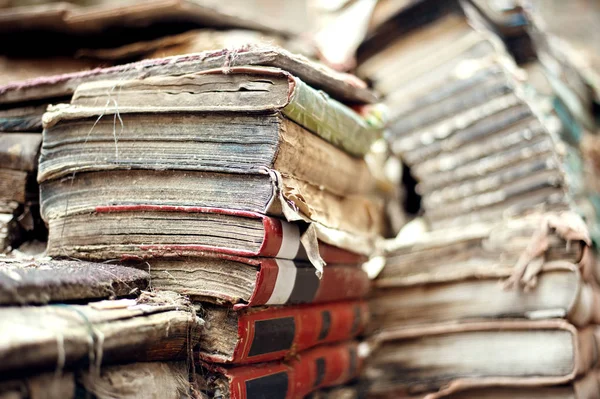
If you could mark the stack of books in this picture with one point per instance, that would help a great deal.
(500, 295)
(56, 39)
(230, 179)
(463, 121)
(73, 328)
(568, 58)
(449, 315)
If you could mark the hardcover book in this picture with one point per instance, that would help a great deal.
(257, 335)
(26, 282)
(585, 387)
(487, 353)
(154, 327)
(226, 231)
(311, 370)
(343, 87)
(486, 250)
(242, 281)
(560, 292)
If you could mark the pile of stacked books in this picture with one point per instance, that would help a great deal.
(74, 329)
(55, 39)
(498, 188)
(451, 319)
(231, 180)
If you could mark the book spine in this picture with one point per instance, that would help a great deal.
(275, 333)
(281, 282)
(331, 120)
(318, 368)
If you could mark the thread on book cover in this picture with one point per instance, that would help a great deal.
(568, 226)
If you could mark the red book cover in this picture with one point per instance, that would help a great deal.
(266, 334)
(316, 368)
(282, 282)
(281, 239)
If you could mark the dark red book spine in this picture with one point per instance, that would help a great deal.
(266, 334)
(281, 282)
(317, 368)
(281, 239)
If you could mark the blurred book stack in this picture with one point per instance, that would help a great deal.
(464, 292)
(451, 319)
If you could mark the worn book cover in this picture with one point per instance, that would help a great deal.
(166, 231)
(31, 282)
(316, 368)
(243, 281)
(484, 353)
(155, 327)
(255, 335)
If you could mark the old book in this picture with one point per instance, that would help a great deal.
(42, 281)
(150, 380)
(22, 119)
(429, 93)
(479, 250)
(226, 89)
(542, 198)
(320, 367)
(104, 16)
(500, 353)
(268, 193)
(157, 380)
(155, 327)
(257, 335)
(512, 187)
(395, 18)
(35, 64)
(342, 87)
(439, 63)
(542, 169)
(500, 150)
(243, 281)
(173, 141)
(560, 293)
(477, 122)
(472, 95)
(144, 231)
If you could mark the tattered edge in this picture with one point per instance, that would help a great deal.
(344, 87)
(312, 109)
(363, 245)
